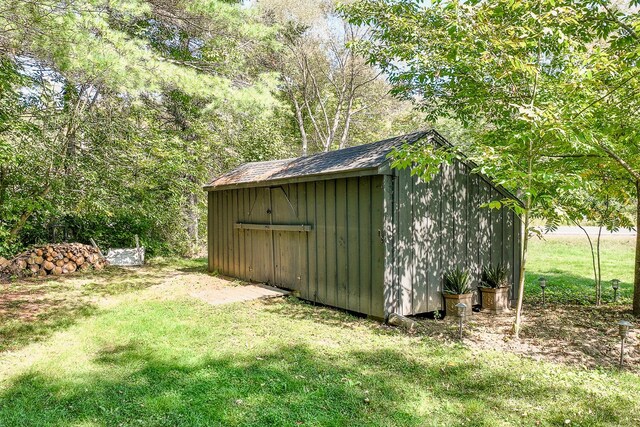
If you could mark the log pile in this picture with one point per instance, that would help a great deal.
(58, 259)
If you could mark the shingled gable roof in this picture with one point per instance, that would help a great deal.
(351, 159)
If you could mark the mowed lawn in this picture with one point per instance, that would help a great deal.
(566, 263)
(149, 354)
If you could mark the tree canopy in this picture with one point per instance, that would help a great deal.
(545, 88)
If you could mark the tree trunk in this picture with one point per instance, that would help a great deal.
(599, 278)
(300, 121)
(595, 263)
(636, 272)
(525, 244)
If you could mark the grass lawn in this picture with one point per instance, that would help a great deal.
(144, 352)
(566, 263)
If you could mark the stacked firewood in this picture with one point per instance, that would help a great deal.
(63, 258)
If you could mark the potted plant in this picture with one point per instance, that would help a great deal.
(494, 289)
(457, 289)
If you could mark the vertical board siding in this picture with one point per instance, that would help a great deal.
(378, 247)
(378, 244)
(404, 242)
(448, 228)
(331, 254)
(321, 251)
(342, 266)
(364, 256)
(433, 241)
(353, 259)
(422, 237)
(211, 261)
(303, 242)
(389, 237)
(312, 254)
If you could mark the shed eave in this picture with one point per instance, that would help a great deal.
(356, 172)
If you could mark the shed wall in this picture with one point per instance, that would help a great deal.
(440, 225)
(340, 262)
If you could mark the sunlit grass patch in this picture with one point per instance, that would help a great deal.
(285, 362)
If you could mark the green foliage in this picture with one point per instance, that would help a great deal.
(457, 282)
(522, 77)
(428, 156)
(494, 277)
(113, 115)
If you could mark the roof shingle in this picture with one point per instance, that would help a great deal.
(366, 156)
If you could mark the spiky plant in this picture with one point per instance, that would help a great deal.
(457, 282)
(494, 277)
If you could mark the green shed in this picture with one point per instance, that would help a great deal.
(344, 229)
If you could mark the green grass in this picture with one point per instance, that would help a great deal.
(164, 359)
(566, 263)
(33, 309)
(288, 363)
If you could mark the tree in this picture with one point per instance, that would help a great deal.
(600, 198)
(114, 114)
(336, 97)
(509, 71)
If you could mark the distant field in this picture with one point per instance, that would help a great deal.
(566, 263)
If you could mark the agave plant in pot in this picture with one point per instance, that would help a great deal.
(494, 289)
(457, 289)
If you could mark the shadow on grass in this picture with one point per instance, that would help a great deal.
(32, 309)
(116, 287)
(27, 322)
(298, 309)
(291, 385)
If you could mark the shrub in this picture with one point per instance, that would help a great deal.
(494, 277)
(457, 282)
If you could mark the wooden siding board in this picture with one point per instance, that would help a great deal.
(247, 235)
(235, 235)
(332, 244)
(261, 245)
(242, 215)
(404, 243)
(390, 292)
(342, 267)
(312, 206)
(321, 211)
(460, 215)
(224, 250)
(353, 259)
(474, 229)
(496, 231)
(365, 243)
(507, 243)
(302, 272)
(447, 195)
(485, 225)
(217, 228)
(434, 231)
(210, 232)
(378, 248)
(420, 223)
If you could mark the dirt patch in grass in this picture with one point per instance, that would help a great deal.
(575, 335)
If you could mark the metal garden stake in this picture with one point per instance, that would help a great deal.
(615, 284)
(543, 284)
(623, 331)
(462, 308)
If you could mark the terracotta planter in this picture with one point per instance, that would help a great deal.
(495, 300)
(450, 302)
